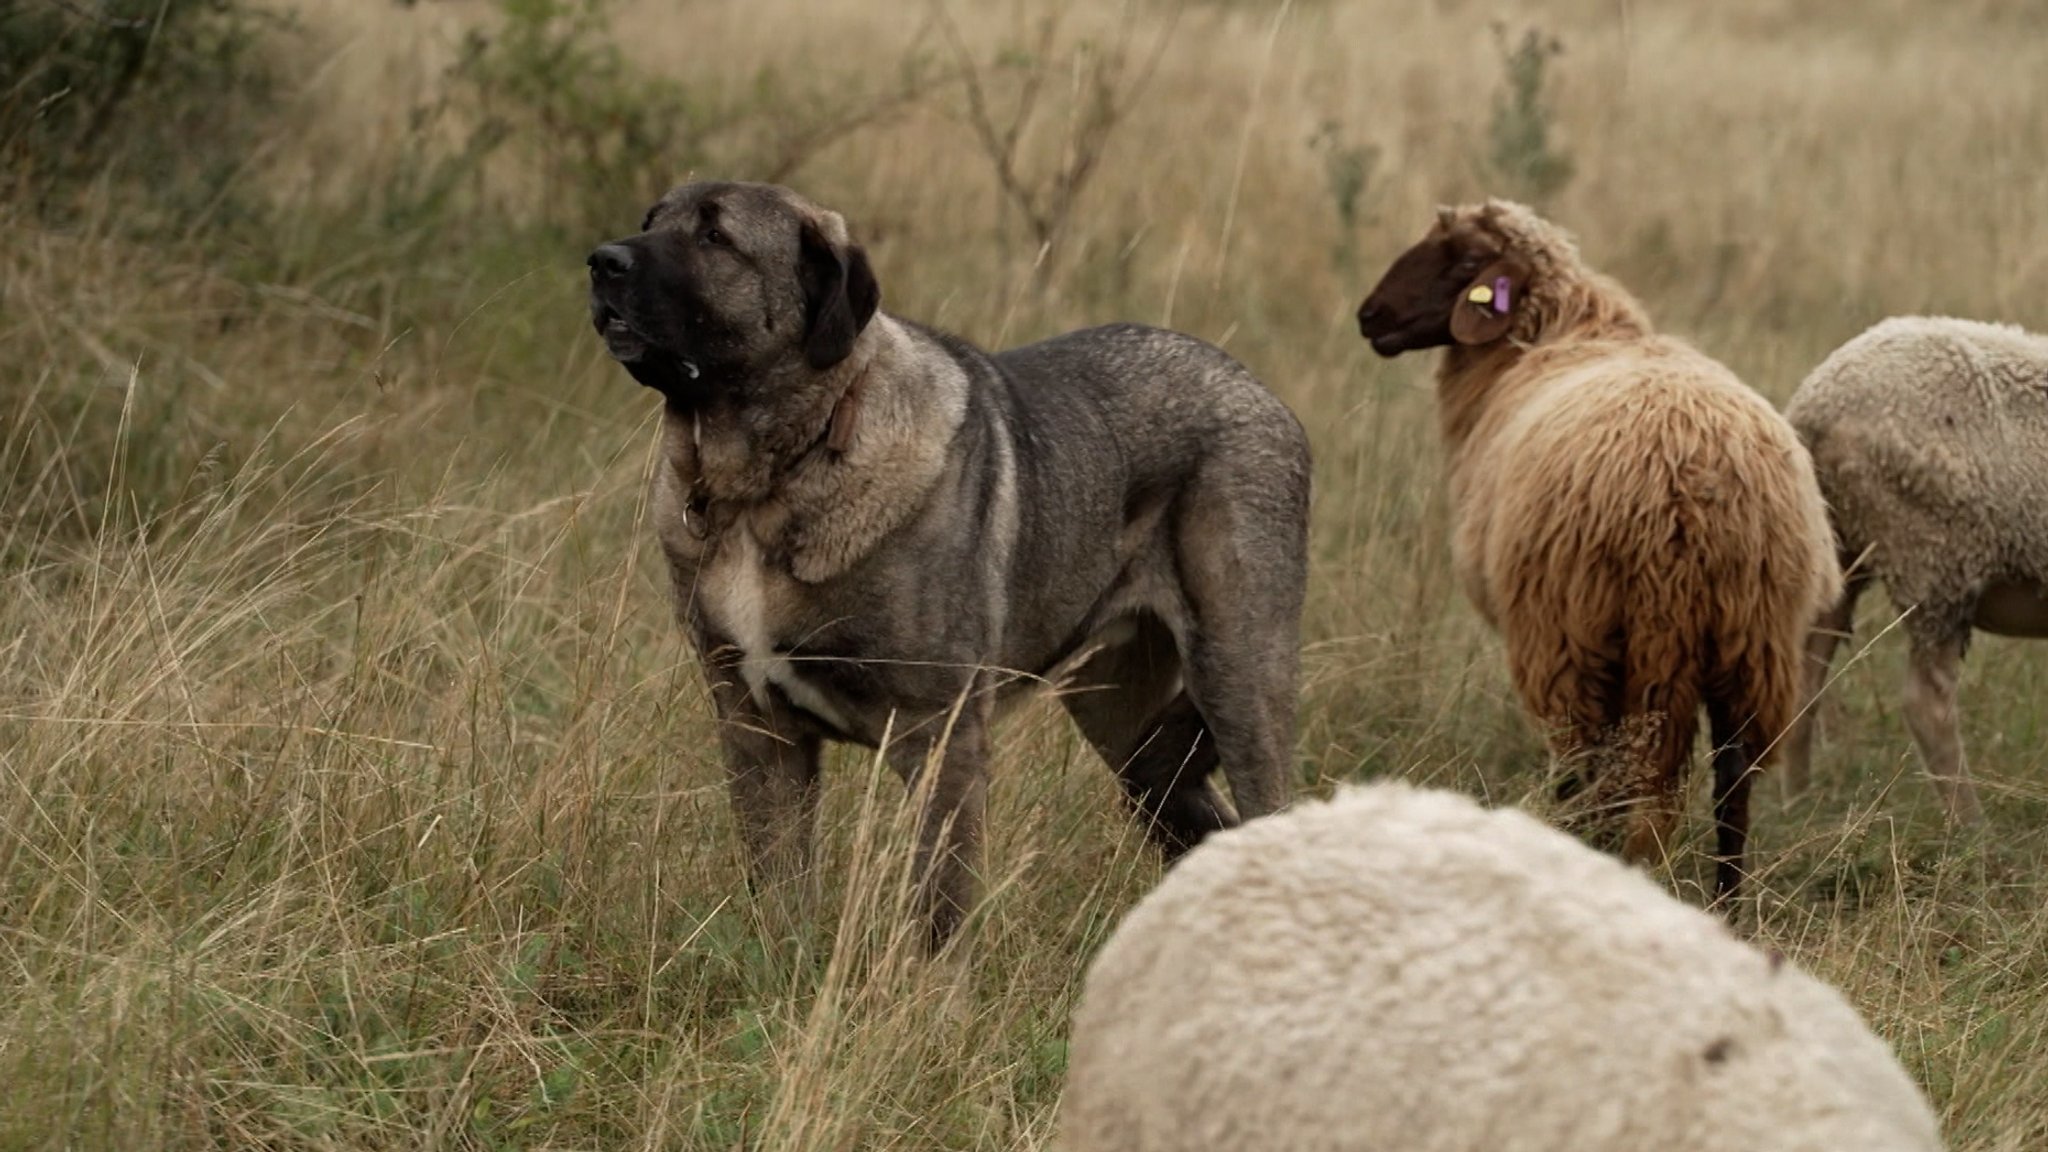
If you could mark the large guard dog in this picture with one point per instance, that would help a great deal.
(874, 528)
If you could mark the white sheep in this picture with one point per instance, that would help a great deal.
(1401, 970)
(1930, 438)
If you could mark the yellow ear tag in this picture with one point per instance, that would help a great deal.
(1480, 294)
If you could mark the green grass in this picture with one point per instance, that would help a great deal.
(357, 790)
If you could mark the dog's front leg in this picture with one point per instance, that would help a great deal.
(772, 775)
(947, 771)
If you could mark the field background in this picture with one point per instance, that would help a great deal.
(356, 790)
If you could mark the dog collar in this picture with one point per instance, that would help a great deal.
(846, 415)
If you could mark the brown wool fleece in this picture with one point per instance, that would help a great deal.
(1644, 530)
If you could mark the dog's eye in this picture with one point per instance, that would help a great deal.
(714, 236)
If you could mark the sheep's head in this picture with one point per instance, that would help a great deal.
(1462, 283)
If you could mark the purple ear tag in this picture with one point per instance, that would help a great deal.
(1500, 295)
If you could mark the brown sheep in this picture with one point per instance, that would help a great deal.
(1644, 530)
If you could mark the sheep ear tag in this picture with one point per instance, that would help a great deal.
(1486, 308)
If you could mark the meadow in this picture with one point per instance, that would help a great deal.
(356, 787)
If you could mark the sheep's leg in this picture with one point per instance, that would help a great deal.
(1833, 627)
(1597, 754)
(1585, 772)
(1934, 667)
(1737, 750)
(1734, 772)
(1128, 703)
(1660, 699)
(1575, 689)
(1579, 749)
(1654, 750)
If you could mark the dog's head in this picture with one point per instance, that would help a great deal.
(1457, 284)
(729, 283)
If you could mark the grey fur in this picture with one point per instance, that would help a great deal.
(1123, 503)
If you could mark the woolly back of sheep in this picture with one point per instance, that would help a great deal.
(1399, 970)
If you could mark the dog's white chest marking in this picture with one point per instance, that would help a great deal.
(734, 593)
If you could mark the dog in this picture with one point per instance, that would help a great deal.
(877, 533)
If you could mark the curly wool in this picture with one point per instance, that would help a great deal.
(1930, 436)
(1400, 970)
(1643, 528)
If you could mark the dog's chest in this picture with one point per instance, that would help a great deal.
(753, 605)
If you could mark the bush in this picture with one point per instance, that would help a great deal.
(1520, 152)
(162, 91)
(602, 136)
(549, 89)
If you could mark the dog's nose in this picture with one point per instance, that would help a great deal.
(1370, 313)
(611, 260)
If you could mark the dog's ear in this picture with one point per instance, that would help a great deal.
(1485, 308)
(840, 295)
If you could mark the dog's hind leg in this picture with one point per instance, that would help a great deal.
(1128, 703)
(1248, 705)
(1169, 780)
(1242, 558)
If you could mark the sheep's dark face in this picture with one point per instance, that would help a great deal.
(1449, 288)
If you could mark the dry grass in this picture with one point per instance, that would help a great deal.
(355, 787)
